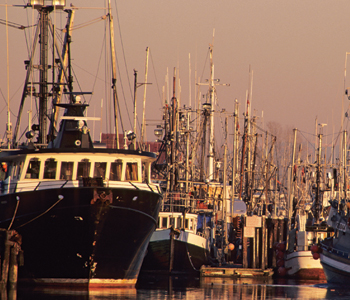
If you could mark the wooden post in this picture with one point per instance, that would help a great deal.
(6, 259)
(274, 240)
(13, 267)
(263, 243)
(256, 254)
(245, 246)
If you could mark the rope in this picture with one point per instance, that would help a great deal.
(46, 211)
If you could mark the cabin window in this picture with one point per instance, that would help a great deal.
(178, 223)
(164, 222)
(116, 170)
(172, 222)
(145, 173)
(19, 169)
(66, 170)
(131, 172)
(83, 168)
(33, 169)
(186, 223)
(50, 168)
(158, 224)
(100, 169)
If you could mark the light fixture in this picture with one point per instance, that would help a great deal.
(207, 106)
(131, 135)
(158, 132)
(58, 4)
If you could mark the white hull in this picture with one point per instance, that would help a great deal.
(301, 264)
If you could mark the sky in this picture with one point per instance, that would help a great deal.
(296, 51)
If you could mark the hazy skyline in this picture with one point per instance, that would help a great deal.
(296, 49)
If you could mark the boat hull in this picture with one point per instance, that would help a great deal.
(93, 236)
(336, 267)
(302, 265)
(191, 251)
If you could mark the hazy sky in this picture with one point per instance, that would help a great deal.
(296, 50)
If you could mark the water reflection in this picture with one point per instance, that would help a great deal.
(186, 287)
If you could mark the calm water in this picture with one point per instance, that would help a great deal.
(195, 288)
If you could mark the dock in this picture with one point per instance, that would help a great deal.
(234, 272)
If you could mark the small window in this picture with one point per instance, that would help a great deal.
(83, 168)
(100, 169)
(50, 169)
(158, 223)
(33, 169)
(186, 223)
(145, 171)
(164, 222)
(172, 222)
(131, 173)
(179, 223)
(116, 170)
(67, 170)
(19, 169)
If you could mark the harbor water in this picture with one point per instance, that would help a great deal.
(183, 287)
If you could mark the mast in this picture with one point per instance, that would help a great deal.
(144, 99)
(173, 135)
(114, 76)
(9, 130)
(211, 133)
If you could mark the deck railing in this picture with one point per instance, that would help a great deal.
(179, 201)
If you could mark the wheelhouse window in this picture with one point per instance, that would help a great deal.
(50, 168)
(179, 221)
(100, 169)
(165, 222)
(18, 172)
(131, 172)
(33, 169)
(116, 170)
(66, 170)
(83, 168)
(145, 171)
(172, 222)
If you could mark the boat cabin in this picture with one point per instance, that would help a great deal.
(21, 170)
(195, 223)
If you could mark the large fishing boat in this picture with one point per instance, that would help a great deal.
(335, 249)
(82, 214)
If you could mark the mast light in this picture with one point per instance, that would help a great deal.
(37, 4)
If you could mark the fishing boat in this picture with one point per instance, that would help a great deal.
(335, 249)
(307, 227)
(81, 214)
(191, 228)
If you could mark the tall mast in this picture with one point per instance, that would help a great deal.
(212, 102)
(114, 76)
(144, 99)
(9, 130)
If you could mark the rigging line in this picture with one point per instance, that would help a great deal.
(155, 75)
(97, 71)
(205, 63)
(88, 23)
(14, 25)
(120, 77)
(122, 45)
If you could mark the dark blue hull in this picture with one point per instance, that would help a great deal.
(88, 236)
